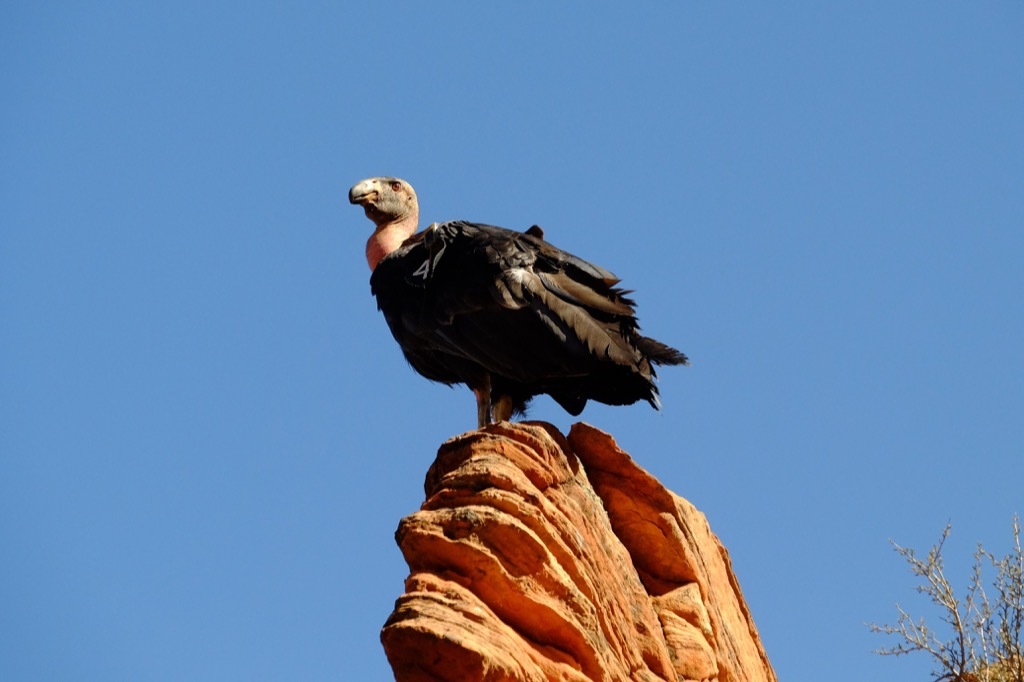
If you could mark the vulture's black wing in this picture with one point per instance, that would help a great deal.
(471, 303)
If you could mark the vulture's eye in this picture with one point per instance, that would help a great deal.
(395, 186)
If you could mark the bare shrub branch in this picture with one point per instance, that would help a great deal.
(982, 637)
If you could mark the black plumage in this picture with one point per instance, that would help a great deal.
(512, 316)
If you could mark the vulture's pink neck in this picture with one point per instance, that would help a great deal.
(388, 237)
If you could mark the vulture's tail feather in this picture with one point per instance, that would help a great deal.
(659, 353)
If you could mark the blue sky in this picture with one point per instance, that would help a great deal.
(209, 436)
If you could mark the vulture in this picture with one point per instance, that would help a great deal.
(504, 312)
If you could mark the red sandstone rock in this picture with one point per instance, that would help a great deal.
(537, 557)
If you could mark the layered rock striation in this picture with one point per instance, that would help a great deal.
(538, 557)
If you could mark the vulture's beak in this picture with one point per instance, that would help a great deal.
(362, 193)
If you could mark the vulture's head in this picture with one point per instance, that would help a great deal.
(385, 200)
